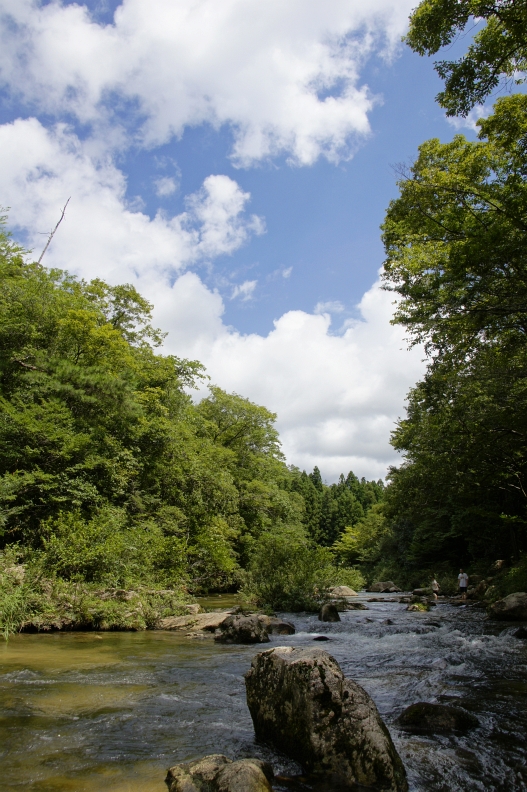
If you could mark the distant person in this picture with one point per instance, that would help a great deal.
(463, 584)
(435, 587)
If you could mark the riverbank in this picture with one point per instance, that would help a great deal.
(94, 712)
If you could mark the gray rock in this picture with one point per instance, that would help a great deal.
(300, 700)
(437, 717)
(382, 587)
(276, 626)
(245, 775)
(329, 613)
(243, 629)
(511, 608)
(343, 591)
(216, 773)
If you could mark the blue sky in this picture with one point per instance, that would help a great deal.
(234, 161)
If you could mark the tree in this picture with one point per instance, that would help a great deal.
(456, 243)
(456, 238)
(498, 51)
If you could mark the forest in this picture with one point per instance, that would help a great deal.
(112, 476)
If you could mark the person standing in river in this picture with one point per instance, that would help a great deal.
(463, 584)
(435, 587)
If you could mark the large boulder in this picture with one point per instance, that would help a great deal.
(342, 591)
(301, 702)
(243, 629)
(437, 718)
(511, 608)
(329, 613)
(199, 621)
(216, 773)
(384, 587)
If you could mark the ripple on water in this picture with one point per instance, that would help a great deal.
(90, 714)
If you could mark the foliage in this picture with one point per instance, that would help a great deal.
(361, 543)
(456, 243)
(328, 510)
(498, 51)
(287, 572)
(515, 578)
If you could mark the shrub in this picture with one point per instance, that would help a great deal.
(286, 572)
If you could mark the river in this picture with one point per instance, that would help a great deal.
(91, 712)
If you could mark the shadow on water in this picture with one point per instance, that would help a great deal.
(88, 712)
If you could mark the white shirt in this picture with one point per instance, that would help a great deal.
(463, 579)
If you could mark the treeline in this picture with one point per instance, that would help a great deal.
(456, 245)
(111, 474)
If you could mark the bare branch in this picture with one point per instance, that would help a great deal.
(54, 230)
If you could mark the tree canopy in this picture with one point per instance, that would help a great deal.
(456, 245)
(498, 51)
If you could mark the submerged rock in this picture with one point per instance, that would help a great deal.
(321, 638)
(329, 613)
(437, 717)
(300, 700)
(521, 632)
(244, 629)
(511, 608)
(216, 773)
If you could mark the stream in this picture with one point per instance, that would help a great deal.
(91, 712)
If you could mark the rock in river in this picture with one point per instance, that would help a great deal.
(437, 717)
(216, 773)
(275, 626)
(300, 700)
(244, 629)
(329, 613)
(384, 587)
(511, 608)
(343, 591)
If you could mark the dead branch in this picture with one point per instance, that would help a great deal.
(54, 230)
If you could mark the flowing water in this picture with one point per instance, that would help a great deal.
(88, 712)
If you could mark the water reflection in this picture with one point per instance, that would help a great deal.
(90, 713)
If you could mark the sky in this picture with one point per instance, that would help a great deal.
(232, 159)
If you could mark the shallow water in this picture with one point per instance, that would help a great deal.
(87, 712)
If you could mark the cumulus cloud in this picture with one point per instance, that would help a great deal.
(102, 234)
(331, 307)
(165, 186)
(244, 290)
(336, 396)
(284, 75)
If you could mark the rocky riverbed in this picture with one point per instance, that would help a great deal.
(89, 712)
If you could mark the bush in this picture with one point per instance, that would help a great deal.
(106, 550)
(515, 579)
(286, 572)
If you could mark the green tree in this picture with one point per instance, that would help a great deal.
(456, 255)
(497, 53)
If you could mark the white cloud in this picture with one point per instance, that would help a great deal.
(244, 290)
(284, 75)
(102, 234)
(470, 122)
(331, 307)
(336, 397)
(286, 273)
(165, 186)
